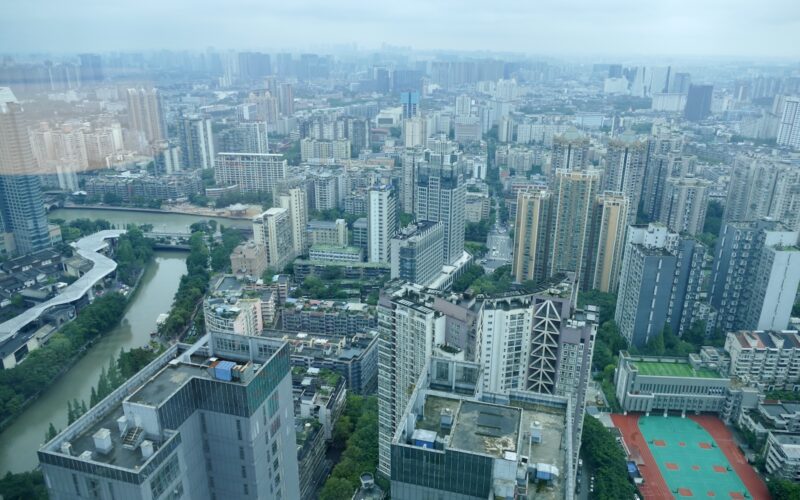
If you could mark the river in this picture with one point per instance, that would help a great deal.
(163, 222)
(19, 442)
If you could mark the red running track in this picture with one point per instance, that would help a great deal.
(722, 435)
(654, 486)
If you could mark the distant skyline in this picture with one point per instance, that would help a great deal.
(732, 28)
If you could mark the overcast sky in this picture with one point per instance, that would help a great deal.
(738, 28)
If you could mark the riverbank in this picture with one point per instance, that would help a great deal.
(154, 294)
(179, 210)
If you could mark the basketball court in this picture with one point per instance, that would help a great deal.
(693, 457)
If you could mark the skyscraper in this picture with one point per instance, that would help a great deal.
(410, 103)
(575, 198)
(254, 65)
(609, 227)
(441, 196)
(21, 208)
(789, 128)
(755, 277)
(625, 165)
(146, 114)
(698, 102)
(382, 222)
(532, 235)
(197, 142)
(683, 207)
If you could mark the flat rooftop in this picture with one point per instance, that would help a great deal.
(667, 369)
(485, 428)
(166, 382)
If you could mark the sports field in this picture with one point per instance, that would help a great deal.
(673, 370)
(688, 457)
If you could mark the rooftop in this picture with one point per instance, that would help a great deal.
(670, 369)
(485, 428)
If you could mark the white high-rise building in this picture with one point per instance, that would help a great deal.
(273, 231)
(789, 128)
(381, 223)
(253, 173)
(463, 105)
(294, 200)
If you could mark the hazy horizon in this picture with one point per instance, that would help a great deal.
(570, 28)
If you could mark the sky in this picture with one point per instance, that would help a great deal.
(727, 28)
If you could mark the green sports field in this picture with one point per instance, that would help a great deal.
(689, 460)
(673, 370)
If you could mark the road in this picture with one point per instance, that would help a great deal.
(500, 246)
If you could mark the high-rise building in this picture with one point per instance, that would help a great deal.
(286, 99)
(441, 196)
(698, 102)
(22, 215)
(254, 66)
(413, 325)
(532, 235)
(683, 206)
(416, 252)
(295, 201)
(244, 137)
(756, 275)
(91, 69)
(273, 231)
(410, 103)
(473, 445)
(146, 114)
(539, 343)
(764, 186)
(414, 132)
(213, 421)
(410, 161)
(253, 173)
(575, 194)
(463, 105)
(659, 284)
(625, 165)
(664, 146)
(789, 128)
(570, 151)
(382, 223)
(197, 142)
(608, 230)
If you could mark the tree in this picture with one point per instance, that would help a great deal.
(24, 486)
(51, 433)
(783, 489)
(655, 346)
(336, 489)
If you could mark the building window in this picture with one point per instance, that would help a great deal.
(239, 429)
(246, 489)
(164, 477)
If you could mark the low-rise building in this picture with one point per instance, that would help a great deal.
(358, 271)
(769, 360)
(249, 259)
(326, 232)
(328, 316)
(335, 253)
(646, 384)
(782, 455)
(355, 357)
